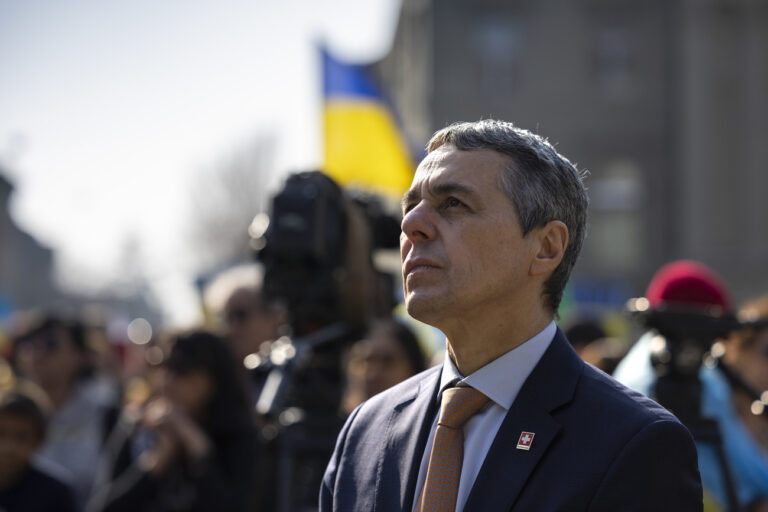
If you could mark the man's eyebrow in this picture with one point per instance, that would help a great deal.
(449, 188)
(410, 197)
(440, 189)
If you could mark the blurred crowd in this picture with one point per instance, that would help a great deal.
(174, 424)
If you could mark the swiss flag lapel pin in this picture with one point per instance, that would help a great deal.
(525, 441)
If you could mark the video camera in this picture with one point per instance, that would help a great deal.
(685, 334)
(317, 253)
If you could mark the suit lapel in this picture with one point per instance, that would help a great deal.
(406, 440)
(550, 385)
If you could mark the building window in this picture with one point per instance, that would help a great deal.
(616, 229)
(498, 46)
(613, 62)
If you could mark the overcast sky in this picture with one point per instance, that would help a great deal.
(109, 109)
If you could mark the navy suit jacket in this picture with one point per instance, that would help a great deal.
(598, 446)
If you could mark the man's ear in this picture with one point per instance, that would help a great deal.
(552, 241)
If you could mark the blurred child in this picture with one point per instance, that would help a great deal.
(23, 487)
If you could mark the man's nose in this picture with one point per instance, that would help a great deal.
(418, 224)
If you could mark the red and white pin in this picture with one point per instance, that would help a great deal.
(525, 441)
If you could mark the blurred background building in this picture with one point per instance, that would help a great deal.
(25, 264)
(27, 278)
(665, 103)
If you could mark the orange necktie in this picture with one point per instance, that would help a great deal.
(441, 485)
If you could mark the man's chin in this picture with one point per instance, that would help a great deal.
(423, 308)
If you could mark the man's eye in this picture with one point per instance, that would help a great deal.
(452, 202)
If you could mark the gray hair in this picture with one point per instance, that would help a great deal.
(542, 184)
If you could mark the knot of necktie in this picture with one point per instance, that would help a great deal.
(458, 405)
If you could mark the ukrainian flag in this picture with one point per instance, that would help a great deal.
(363, 146)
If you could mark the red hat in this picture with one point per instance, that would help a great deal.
(687, 283)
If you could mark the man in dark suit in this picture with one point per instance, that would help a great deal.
(492, 227)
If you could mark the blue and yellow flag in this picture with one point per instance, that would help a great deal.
(363, 146)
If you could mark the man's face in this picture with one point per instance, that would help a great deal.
(190, 391)
(50, 358)
(461, 245)
(379, 362)
(248, 323)
(750, 359)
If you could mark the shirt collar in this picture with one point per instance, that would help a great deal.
(501, 379)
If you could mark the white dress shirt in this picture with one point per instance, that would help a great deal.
(500, 380)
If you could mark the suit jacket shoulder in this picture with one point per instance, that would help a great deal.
(375, 461)
(598, 446)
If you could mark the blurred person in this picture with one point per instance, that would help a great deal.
(250, 321)
(589, 340)
(389, 354)
(604, 353)
(746, 354)
(691, 285)
(746, 351)
(582, 332)
(514, 419)
(54, 354)
(251, 324)
(24, 487)
(190, 449)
